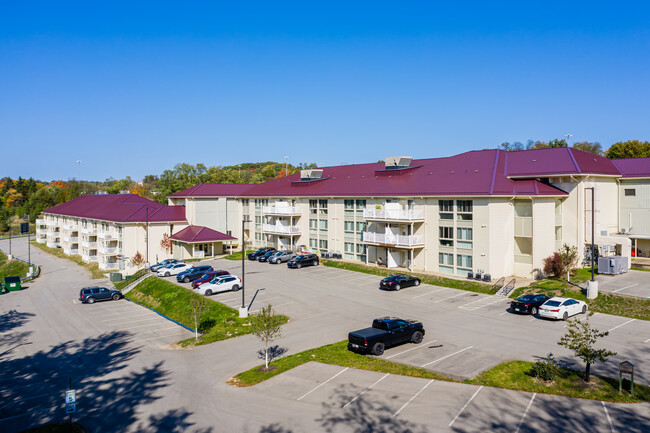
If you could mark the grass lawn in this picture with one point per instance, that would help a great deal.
(607, 303)
(335, 354)
(569, 383)
(93, 268)
(237, 255)
(122, 284)
(468, 285)
(13, 268)
(218, 322)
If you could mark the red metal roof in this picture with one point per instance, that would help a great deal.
(197, 234)
(119, 208)
(214, 190)
(633, 167)
(555, 161)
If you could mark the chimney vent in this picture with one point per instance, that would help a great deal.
(398, 161)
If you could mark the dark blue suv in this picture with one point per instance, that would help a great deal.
(193, 273)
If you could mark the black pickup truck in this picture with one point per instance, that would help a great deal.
(385, 332)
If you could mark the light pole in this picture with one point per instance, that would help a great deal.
(243, 311)
(592, 285)
(286, 159)
(566, 137)
(79, 169)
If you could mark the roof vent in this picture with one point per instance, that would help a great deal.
(398, 161)
(314, 173)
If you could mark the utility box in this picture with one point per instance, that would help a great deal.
(12, 284)
(115, 277)
(612, 265)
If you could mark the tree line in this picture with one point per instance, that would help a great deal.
(618, 150)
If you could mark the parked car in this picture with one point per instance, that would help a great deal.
(224, 283)
(303, 260)
(193, 273)
(174, 269)
(282, 256)
(207, 277)
(90, 295)
(398, 281)
(529, 303)
(164, 264)
(255, 254)
(562, 308)
(385, 332)
(265, 257)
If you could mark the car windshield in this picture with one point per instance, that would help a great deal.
(525, 298)
(553, 303)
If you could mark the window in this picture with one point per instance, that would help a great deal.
(446, 235)
(313, 226)
(464, 205)
(464, 236)
(313, 243)
(245, 202)
(361, 204)
(446, 209)
(322, 224)
(361, 249)
(322, 204)
(446, 259)
(464, 261)
(322, 244)
(349, 228)
(348, 204)
(523, 208)
(411, 204)
(349, 247)
(630, 192)
(361, 226)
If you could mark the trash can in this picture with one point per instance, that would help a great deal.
(12, 284)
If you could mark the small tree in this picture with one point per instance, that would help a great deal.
(137, 259)
(569, 257)
(580, 338)
(267, 326)
(166, 243)
(197, 306)
(553, 265)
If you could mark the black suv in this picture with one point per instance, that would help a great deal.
(304, 260)
(91, 294)
(254, 255)
(193, 273)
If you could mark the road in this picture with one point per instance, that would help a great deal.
(129, 378)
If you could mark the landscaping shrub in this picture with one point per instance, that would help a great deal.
(545, 369)
(553, 265)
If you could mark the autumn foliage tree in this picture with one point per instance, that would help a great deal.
(137, 259)
(166, 243)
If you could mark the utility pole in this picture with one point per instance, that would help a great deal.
(243, 311)
(146, 240)
(592, 285)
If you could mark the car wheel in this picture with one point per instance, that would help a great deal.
(533, 311)
(566, 316)
(116, 297)
(167, 274)
(584, 309)
(417, 283)
(378, 349)
(208, 292)
(417, 337)
(90, 300)
(186, 279)
(298, 266)
(235, 287)
(316, 263)
(397, 287)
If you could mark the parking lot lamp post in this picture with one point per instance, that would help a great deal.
(592, 285)
(243, 311)
(146, 241)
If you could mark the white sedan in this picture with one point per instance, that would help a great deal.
(223, 283)
(173, 269)
(562, 308)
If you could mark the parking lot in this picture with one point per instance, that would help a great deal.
(631, 283)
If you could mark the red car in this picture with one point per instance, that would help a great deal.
(207, 277)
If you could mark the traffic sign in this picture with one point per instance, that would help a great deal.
(70, 396)
(70, 407)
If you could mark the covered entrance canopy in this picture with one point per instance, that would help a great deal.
(197, 242)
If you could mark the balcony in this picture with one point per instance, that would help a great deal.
(71, 239)
(41, 231)
(281, 210)
(54, 233)
(108, 266)
(89, 258)
(51, 223)
(280, 229)
(54, 244)
(107, 251)
(40, 221)
(394, 214)
(89, 231)
(69, 227)
(87, 244)
(396, 240)
(107, 235)
(71, 251)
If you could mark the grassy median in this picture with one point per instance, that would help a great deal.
(237, 255)
(469, 285)
(11, 268)
(93, 268)
(217, 322)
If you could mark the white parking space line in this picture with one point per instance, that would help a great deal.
(430, 293)
(647, 340)
(626, 287)
(365, 390)
(342, 371)
(484, 304)
(275, 306)
(534, 318)
(362, 277)
(618, 326)
(132, 321)
(157, 338)
(523, 417)
(505, 312)
(464, 407)
(261, 300)
(413, 398)
(478, 300)
(446, 356)
(450, 297)
(144, 326)
(179, 328)
(419, 346)
(609, 419)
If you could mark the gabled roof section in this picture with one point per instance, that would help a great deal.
(633, 167)
(119, 208)
(197, 234)
(556, 161)
(215, 190)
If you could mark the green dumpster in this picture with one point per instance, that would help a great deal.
(12, 284)
(115, 277)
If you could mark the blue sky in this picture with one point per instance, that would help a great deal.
(132, 88)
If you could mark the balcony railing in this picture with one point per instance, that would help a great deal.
(390, 239)
(107, 235)
(281, 210)
(69, 227)
(40, 221)
(108, 266)
(89, 258)
(54, 233)
(271, 228)
(41, 231)
(89, 231)
(394, 214)
(72, 239)
(53, 244)
(87, 244)
(71, 251)
(107, 251)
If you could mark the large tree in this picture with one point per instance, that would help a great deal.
(629, 149)
(590, 147)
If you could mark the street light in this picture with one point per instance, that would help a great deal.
(592, 285)
(286, 158)
(566, 137)
(243, 311)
